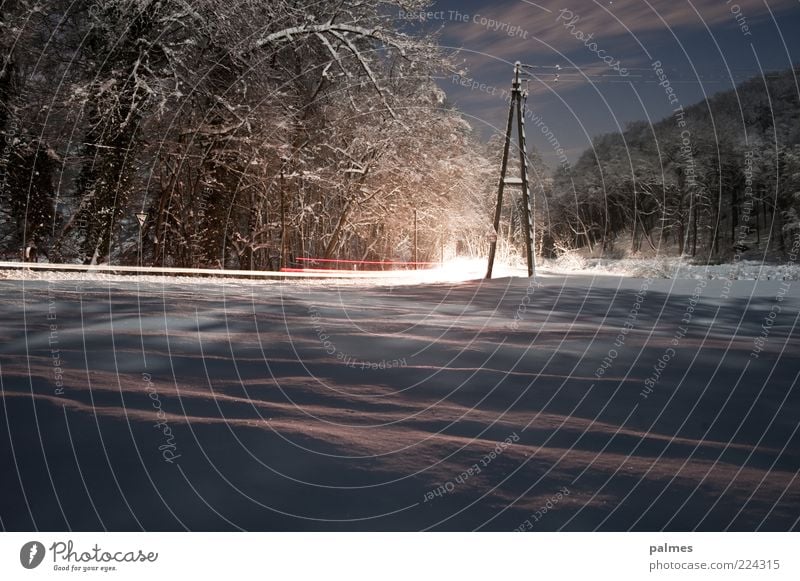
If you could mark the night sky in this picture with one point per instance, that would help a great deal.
(606, 57)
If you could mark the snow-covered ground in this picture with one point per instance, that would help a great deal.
(575, 402)
(675, 267)
(461, 269)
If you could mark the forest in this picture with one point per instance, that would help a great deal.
(244, 133)
(713, 180)
(247, 134)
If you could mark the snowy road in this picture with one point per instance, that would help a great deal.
(570, 403)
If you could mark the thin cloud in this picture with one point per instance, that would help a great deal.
(631, 20)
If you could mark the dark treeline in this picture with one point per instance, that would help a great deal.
(248, 132)
(718, 177)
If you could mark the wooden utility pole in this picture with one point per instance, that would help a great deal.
(517, 105)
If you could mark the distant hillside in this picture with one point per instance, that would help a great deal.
(718, 178)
